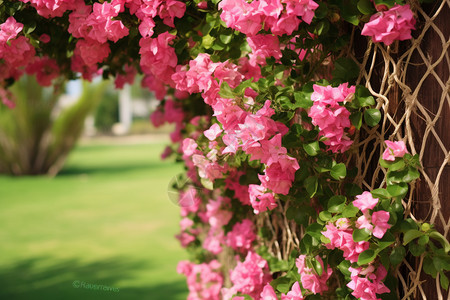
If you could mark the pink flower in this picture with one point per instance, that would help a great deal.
(391, 25)
(10, 29)
(302, 8)
(129, 72)
(241, 237)
(45, 68)
(294, 294)
(311, 281)
(204, 280)
(394, 149)
(214, 240)
(343, 239)
(146, 27)
(263, 46)
(332, 118)
(92, 52)
(250, 277)
(171, 9)
(213, 132)
(268, 293)
(367, 287)
(380, 220)
(189, 146)
(365, 201)
(363, 222)
(260, 199)
(44, 38)
(158, 57)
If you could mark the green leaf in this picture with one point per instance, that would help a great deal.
(325, 215)
(350, 211)
(339, 171)
(360, 235)
(226, 91)
(428, 267)
(207, 183)
(363, 97)
(387, 240)
(443, 280)
(208, 41)
(312, 149)
(311, 184)
(411, 235)
(344, 266)
(423, 240)
(281, 284)
(416, 249)
(398, 164)
(303, 100)
(381, 193)
(314, 230)
(356, 119)
(366, 257)
(352, 190)
(398, 189)
(317, 267)
(345, 70)
(408, 224)
(226, 39)
(441, 239)
(372, 116)
(366, 7)
(336, 204)
(397, 255)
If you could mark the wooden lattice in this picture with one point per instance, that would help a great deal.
(410, 81)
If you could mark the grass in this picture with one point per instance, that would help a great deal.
(105, 220)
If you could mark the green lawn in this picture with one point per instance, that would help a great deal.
(105, 220)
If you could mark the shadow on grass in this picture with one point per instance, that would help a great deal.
(30, 279)
(111, 169)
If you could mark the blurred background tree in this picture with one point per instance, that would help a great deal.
(107, 113)
(37, 135)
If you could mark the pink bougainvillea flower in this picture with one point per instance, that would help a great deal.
(366, 284)
(260, 199)
(213, 132)
(250, 277)
(204, 280)
(189, 146)
(391, 25)
(364, 222)
(380, 221)
(394, 149)
(294, 294)
(268, 293)
(332, 118)
(10, 29)
(242, 235)
(365, 201)
(309, 279)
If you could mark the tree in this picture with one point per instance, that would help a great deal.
(34, 138)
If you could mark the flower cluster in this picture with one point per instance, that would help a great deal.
(332, 118)
(391, 25)
(309, 279)
(281, 16)
(367, 283)
(204, 280)
(249, 277)
(16, 52)
(340, 236)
